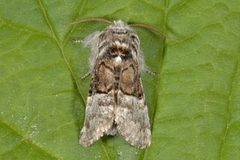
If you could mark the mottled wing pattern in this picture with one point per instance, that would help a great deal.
(131, 115)
(116, 103)
(100, 104)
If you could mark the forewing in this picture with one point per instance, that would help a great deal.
(100, 104)
(131, 113)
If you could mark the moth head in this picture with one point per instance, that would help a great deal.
(119, 28)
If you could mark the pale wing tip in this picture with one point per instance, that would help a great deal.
(141, 142)
(141, 145)
(85, 138)
(83, 141)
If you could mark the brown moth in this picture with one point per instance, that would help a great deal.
(116, 101)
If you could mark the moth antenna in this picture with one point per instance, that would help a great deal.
(151, 28)
(91, 19)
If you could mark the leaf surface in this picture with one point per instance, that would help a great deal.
(193, 101)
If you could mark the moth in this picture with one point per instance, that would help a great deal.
(116, 102)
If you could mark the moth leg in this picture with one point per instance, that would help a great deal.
(146, 69)
(77, 41)
(86, 75)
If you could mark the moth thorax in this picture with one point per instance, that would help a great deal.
(117, 61)
(120, 45)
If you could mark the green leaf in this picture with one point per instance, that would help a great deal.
(193, 101)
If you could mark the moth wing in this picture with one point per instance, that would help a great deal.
(100, 105)
(131, 114)
(133, 121)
